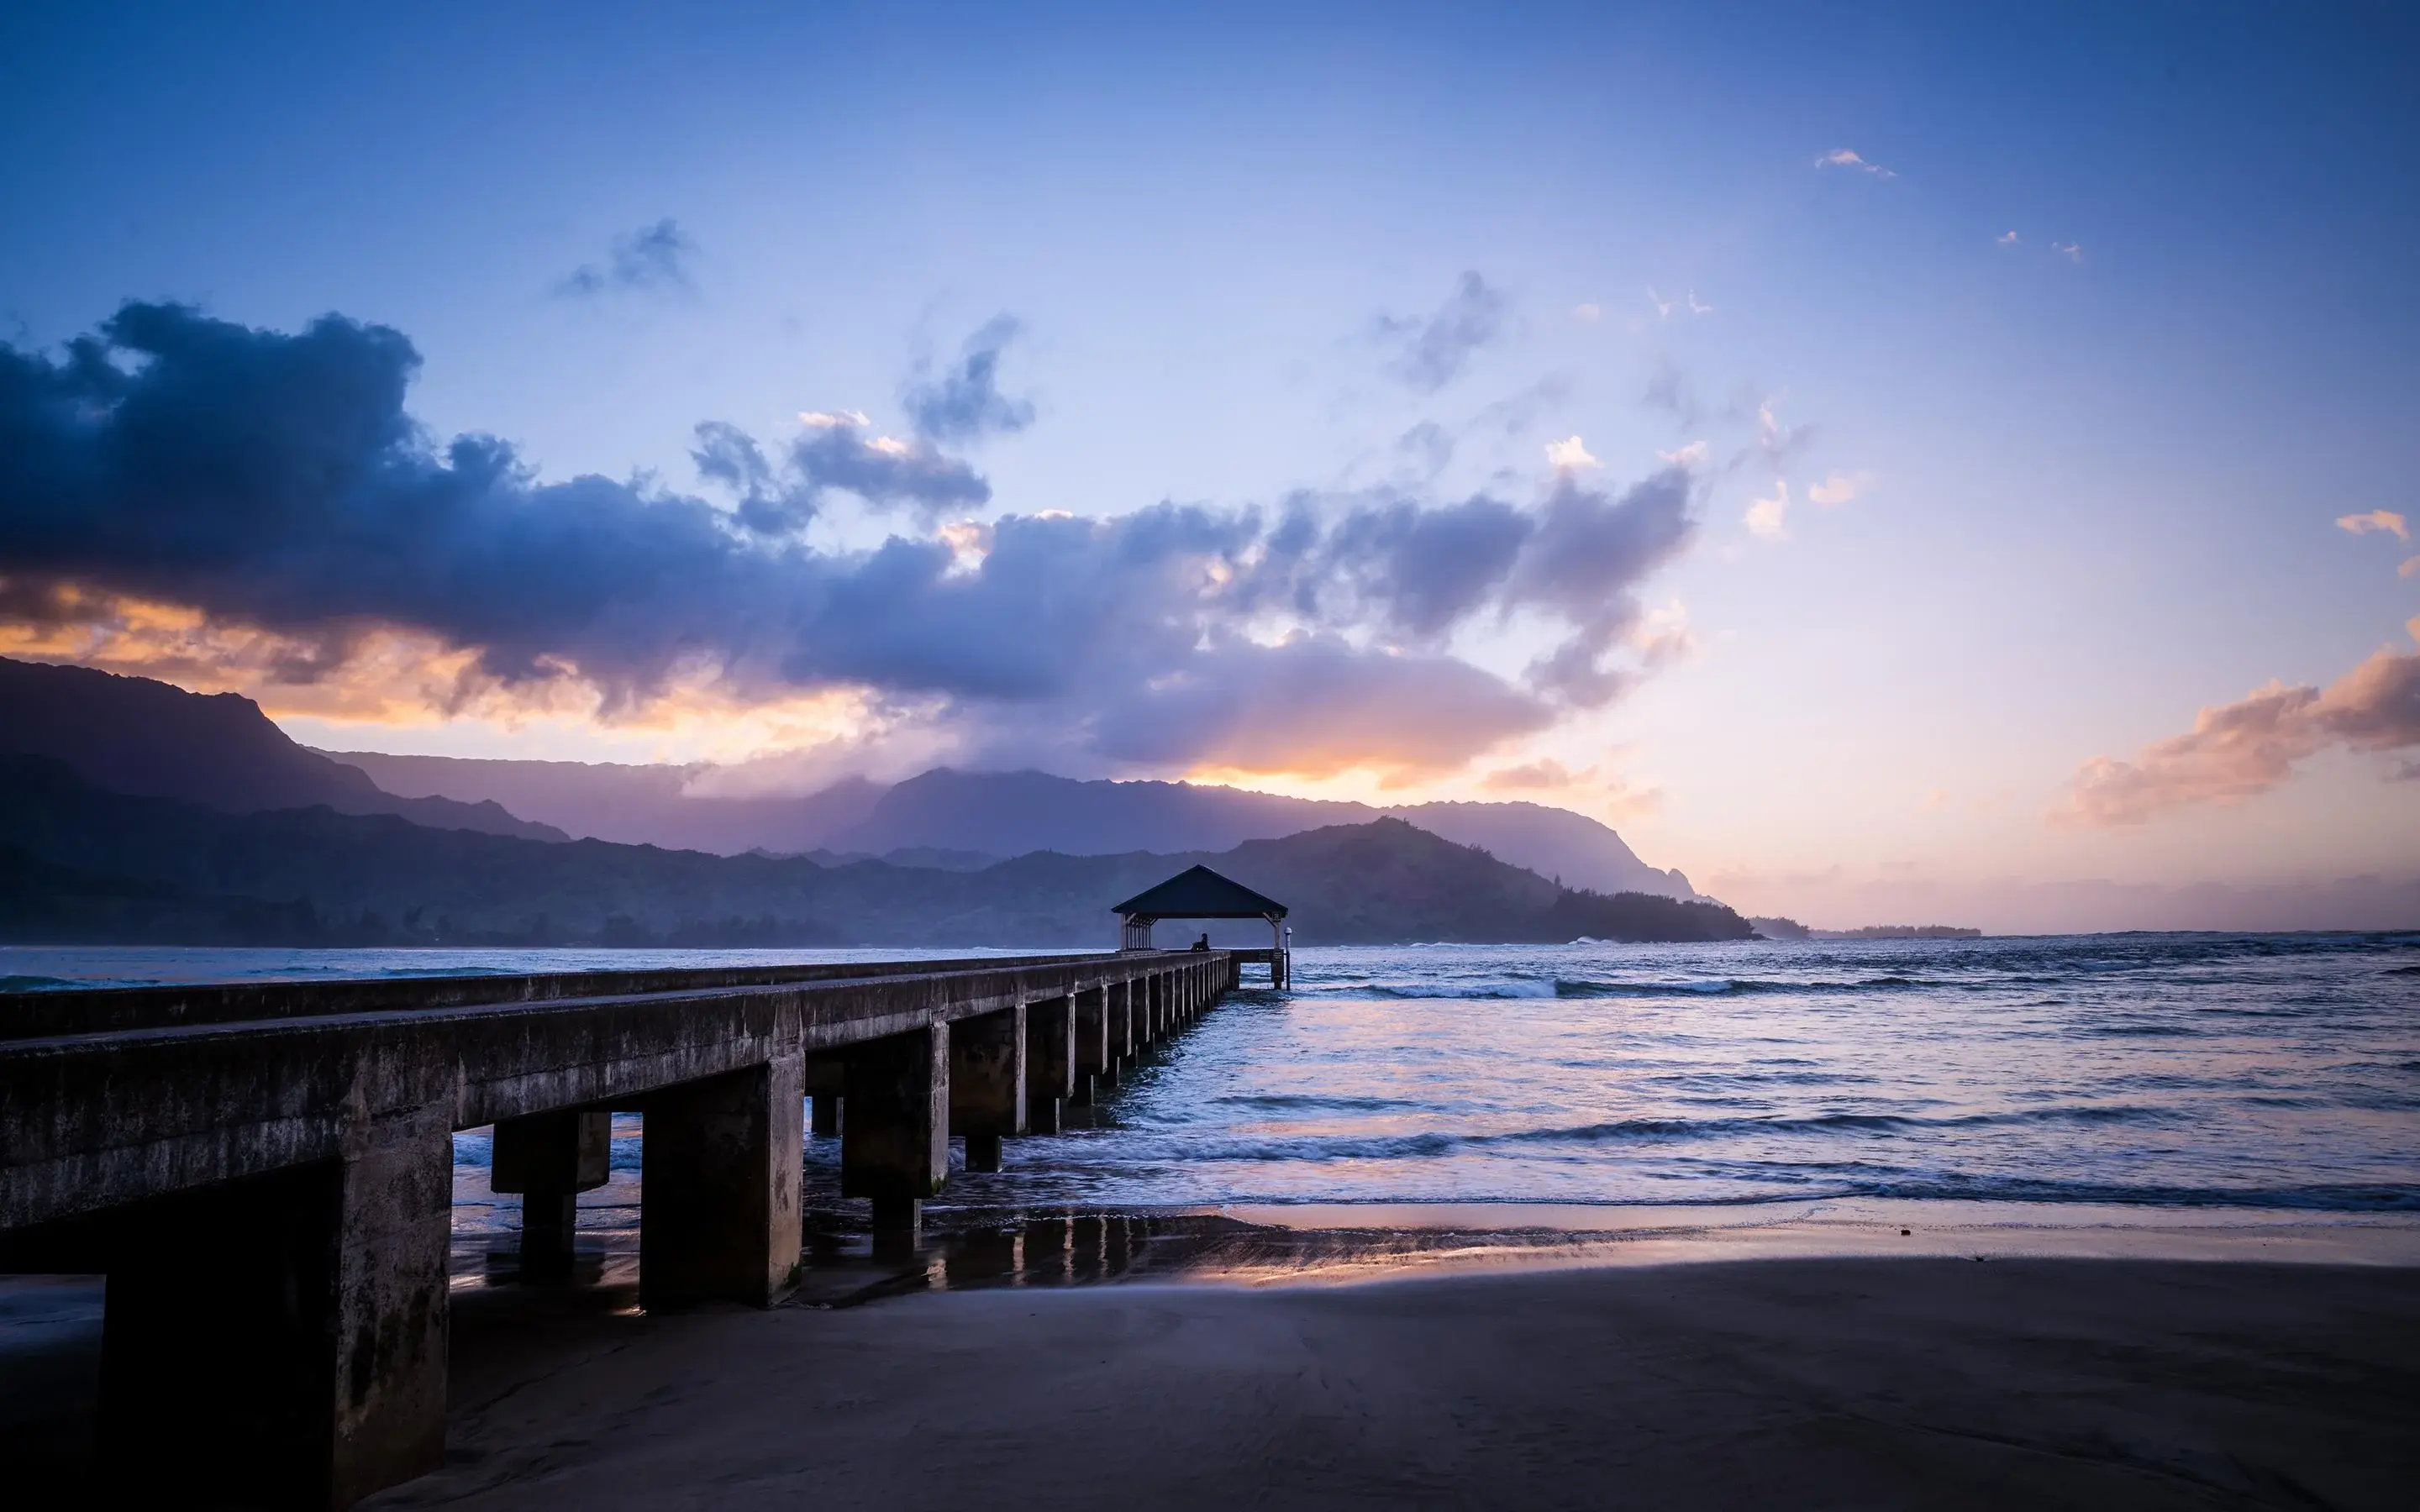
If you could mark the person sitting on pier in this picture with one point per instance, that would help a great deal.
(1202, 944)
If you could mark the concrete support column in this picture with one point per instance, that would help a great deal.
(1120, 996)
(825, 1079)
(1091, 1043)
(987, 1083)
(281, 1341)
(895, 1148)
(719, 1218)
(1049, 1063)
(549, 1158)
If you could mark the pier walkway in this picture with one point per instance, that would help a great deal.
(264, 1173)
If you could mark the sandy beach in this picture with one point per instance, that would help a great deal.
(1851, 1383)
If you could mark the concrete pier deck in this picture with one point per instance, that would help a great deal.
(263, 1172)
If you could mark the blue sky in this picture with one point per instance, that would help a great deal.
(2092, 477)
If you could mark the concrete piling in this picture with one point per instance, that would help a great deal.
(895, 1148)
(281, 1341)
(988, 1054)
(825, 1079)
(720, 1168)
(549, 1158)
(1093, 1065)
(1049, 1063)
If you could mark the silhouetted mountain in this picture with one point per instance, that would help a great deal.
(84, 864)
(994, 813)
(1553, 842)
(134, 735)
(634, 805)
(1010, 814)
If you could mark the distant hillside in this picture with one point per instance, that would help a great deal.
(996, 814)
(134, 735)
(634, 805)
(78, 864)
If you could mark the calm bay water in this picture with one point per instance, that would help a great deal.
(2152, 1071)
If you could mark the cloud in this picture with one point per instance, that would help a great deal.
(2381, 520)
(964, 401)
(2005, 238)
(1686, 304)
(1843, 158)
(1570, 455)
(1433, 352)
(1778, 444)
(2411, 568)
(1588, 314)
(1546, 774)
(2241, 749)
(1315, 705)
(834, 451)
(1692, 456)
(652, 258)
(1591, 550)
(262, 498)
(1840, 488)
(2068, 250)
(1419, 572)
(1768, 518)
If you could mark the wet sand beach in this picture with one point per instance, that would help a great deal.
(1849, 1382)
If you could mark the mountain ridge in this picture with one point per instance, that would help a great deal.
(84, 864)
(147, 739)
(998, 813)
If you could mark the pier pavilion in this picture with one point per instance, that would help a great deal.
(1198, 892)
(264, 1172)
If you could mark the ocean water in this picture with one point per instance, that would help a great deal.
(2143, 1070)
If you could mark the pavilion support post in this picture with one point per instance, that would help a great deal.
(1090, 1012)
(281, 1341)
(720, 1170)
(1049, 1063)
(549, 1158)
(895, 1146)
(988, 1055)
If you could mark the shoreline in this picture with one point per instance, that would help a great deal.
(1849, 1383)
(1264, 1244)
(2167, 1364)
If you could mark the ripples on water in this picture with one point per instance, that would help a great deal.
(2278, 1072)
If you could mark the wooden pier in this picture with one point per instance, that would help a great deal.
(264, 1173)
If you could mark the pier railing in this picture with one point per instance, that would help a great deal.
(264, 1172)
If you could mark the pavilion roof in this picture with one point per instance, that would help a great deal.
(1200, 893)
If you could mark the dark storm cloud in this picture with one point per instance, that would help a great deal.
(276, 482)
(1425, 570)
(965, 401)
(652, 257)
(1588, 553)
(1432, 352)
(836, 454)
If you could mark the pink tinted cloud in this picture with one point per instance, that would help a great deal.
(2241, 749)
